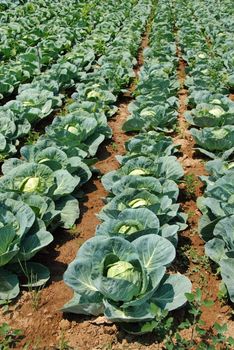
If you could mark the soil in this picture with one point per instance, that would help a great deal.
(37, 313)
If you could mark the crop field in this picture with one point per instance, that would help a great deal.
(117, 175)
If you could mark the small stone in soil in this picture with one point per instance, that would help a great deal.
(64, 325)
(225, 309)
(109, 330)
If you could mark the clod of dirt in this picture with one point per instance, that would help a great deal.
(101, 320)
(64, 325)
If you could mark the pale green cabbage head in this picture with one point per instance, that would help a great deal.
(137, 172)
(30, 184)
(94, 94)
(231, 165)
(202, 55)
(216, 101)
(138, 202)
(217, 111)
(147, 113)
(125, 271)
(72, 129)
(128, 230)
(220, 133)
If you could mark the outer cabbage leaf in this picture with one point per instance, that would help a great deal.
(130, 224)
(217, 139)
(227, 273)
(160, 168)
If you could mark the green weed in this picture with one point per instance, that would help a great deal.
(32, 137)
(63, 343)
(191, 183)
(200, 338)
(191, 213)
(34, 291)
(9, 337)
(114, 146)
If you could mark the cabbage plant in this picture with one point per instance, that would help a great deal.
(216, 169)
(221, 250)
(43, 207)
(204, 96)
(149, 183)
(34, 103)
(216, 142)
(160, 168)
(151, 118)
(22, 235)
(211, 115)
(104, 110)
(130, 223)
(38, 179)
(151, 144)
(164, 207)
(97, 95)
(53, 157)
(216, 204)
(133, 223)
(139, 143)
(123, 280)
(11, 129)
(83, 132)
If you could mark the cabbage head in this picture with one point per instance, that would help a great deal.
(122, 280)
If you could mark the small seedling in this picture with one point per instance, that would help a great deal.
(199, 259)
(63, 343)
(222, 293)
(37, 344)
(4, 304)
(32, 138)
(9, 337)
(35, 291)
(36, 298)
(114, 146)
(193, 232)
(190, 185)
(180, 132)
(136, 81)
(200, 337)
(73, 231)
(26, 346)
(191, 213)
(100, 47)
(2, 157)
(107, 346)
